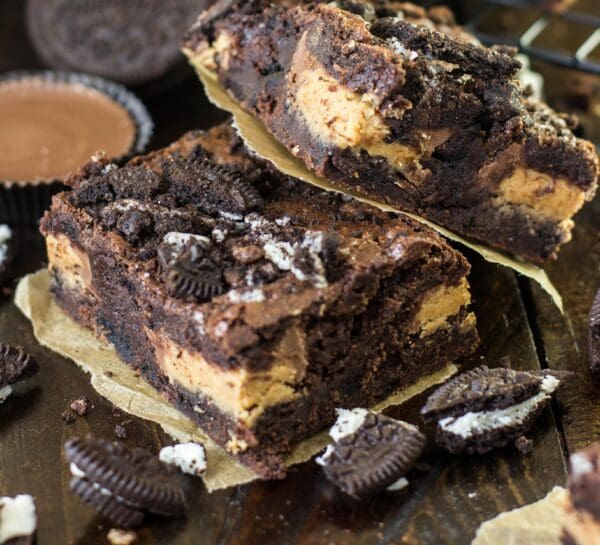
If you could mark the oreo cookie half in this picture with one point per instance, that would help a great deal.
(594, 339)
(487, 408)
(121, 483)
(370, 452)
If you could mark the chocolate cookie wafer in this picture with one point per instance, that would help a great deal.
(370, 452)
(15, 365)
(487, 408)
(121, 483)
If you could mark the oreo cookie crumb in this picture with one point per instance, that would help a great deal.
(122, 483)
(15, 365)
(121, 537)
(120, 432)
(524, 445)
(68, 416)
(370, 453)
(594, 339)
(80, 406)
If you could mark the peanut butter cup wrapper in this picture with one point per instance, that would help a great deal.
(24, 200)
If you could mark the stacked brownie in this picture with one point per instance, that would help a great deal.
(403, 106)
(257, 304)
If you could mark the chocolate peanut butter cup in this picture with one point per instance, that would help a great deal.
(52, 123)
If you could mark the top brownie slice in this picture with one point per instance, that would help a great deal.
(409, 110)
(257, 303)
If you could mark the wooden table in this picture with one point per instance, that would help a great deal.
(446, 501)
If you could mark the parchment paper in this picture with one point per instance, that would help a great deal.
(258, 138)
(132, 394)
(537, 524)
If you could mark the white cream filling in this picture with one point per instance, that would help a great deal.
(17, 517)
(76, 472)
(5, 236)
(347, 423)
(252, 296)
(400, 484)
(4, 393)
(178, 240)
(477, 423)
(580, 465)
(188, 457)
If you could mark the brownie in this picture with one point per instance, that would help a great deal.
(255, 303)
(582, 508)
(405, 109)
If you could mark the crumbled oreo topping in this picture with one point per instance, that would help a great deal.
(15, 365)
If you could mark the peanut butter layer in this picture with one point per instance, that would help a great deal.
(403, 106)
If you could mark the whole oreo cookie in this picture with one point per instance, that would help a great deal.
(594, 339)
(370, 452)
(133, 42)
(121, 483)
(487, 408)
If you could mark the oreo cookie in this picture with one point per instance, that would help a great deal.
(594, 339)
(6, 251)
(134, 42)
(370, 452)
(121, 483)
(487, 408)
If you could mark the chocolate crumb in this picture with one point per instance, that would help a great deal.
(108, 374)
(68, 417)
(80, 406)
(524, 445)
(120, 432)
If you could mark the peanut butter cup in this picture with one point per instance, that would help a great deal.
(52, 123)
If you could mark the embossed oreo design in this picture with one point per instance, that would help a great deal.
(487, 408)
(370, 452)
(123, 484)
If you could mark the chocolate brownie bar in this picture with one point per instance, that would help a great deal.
(406, 110)
(256, 303)
(581, 518)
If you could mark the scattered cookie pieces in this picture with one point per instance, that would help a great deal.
(121, 537)
(80, 406)
(370, 452)
(18, 518)
(594, 339)
(121, 483)
(188, 457)
(524, 445)
(486, 408)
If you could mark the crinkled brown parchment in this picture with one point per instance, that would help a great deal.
(57, 331)
(258, 138)
(537, 524)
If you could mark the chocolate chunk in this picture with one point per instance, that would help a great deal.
(486, 408)
(370, 452)
(15, 365)
(123, 483)
(135, 224)
(594, 339)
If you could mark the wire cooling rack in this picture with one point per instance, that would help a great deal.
(535, 38)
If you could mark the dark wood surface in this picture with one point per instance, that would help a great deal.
(449, 496)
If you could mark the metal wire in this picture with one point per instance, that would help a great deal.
(526, 41)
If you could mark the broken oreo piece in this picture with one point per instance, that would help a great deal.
(487, 408)
(594, 339)
(121, 483)
(370, 452)
(15, 365)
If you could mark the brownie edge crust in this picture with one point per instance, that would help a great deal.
(255, 303)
